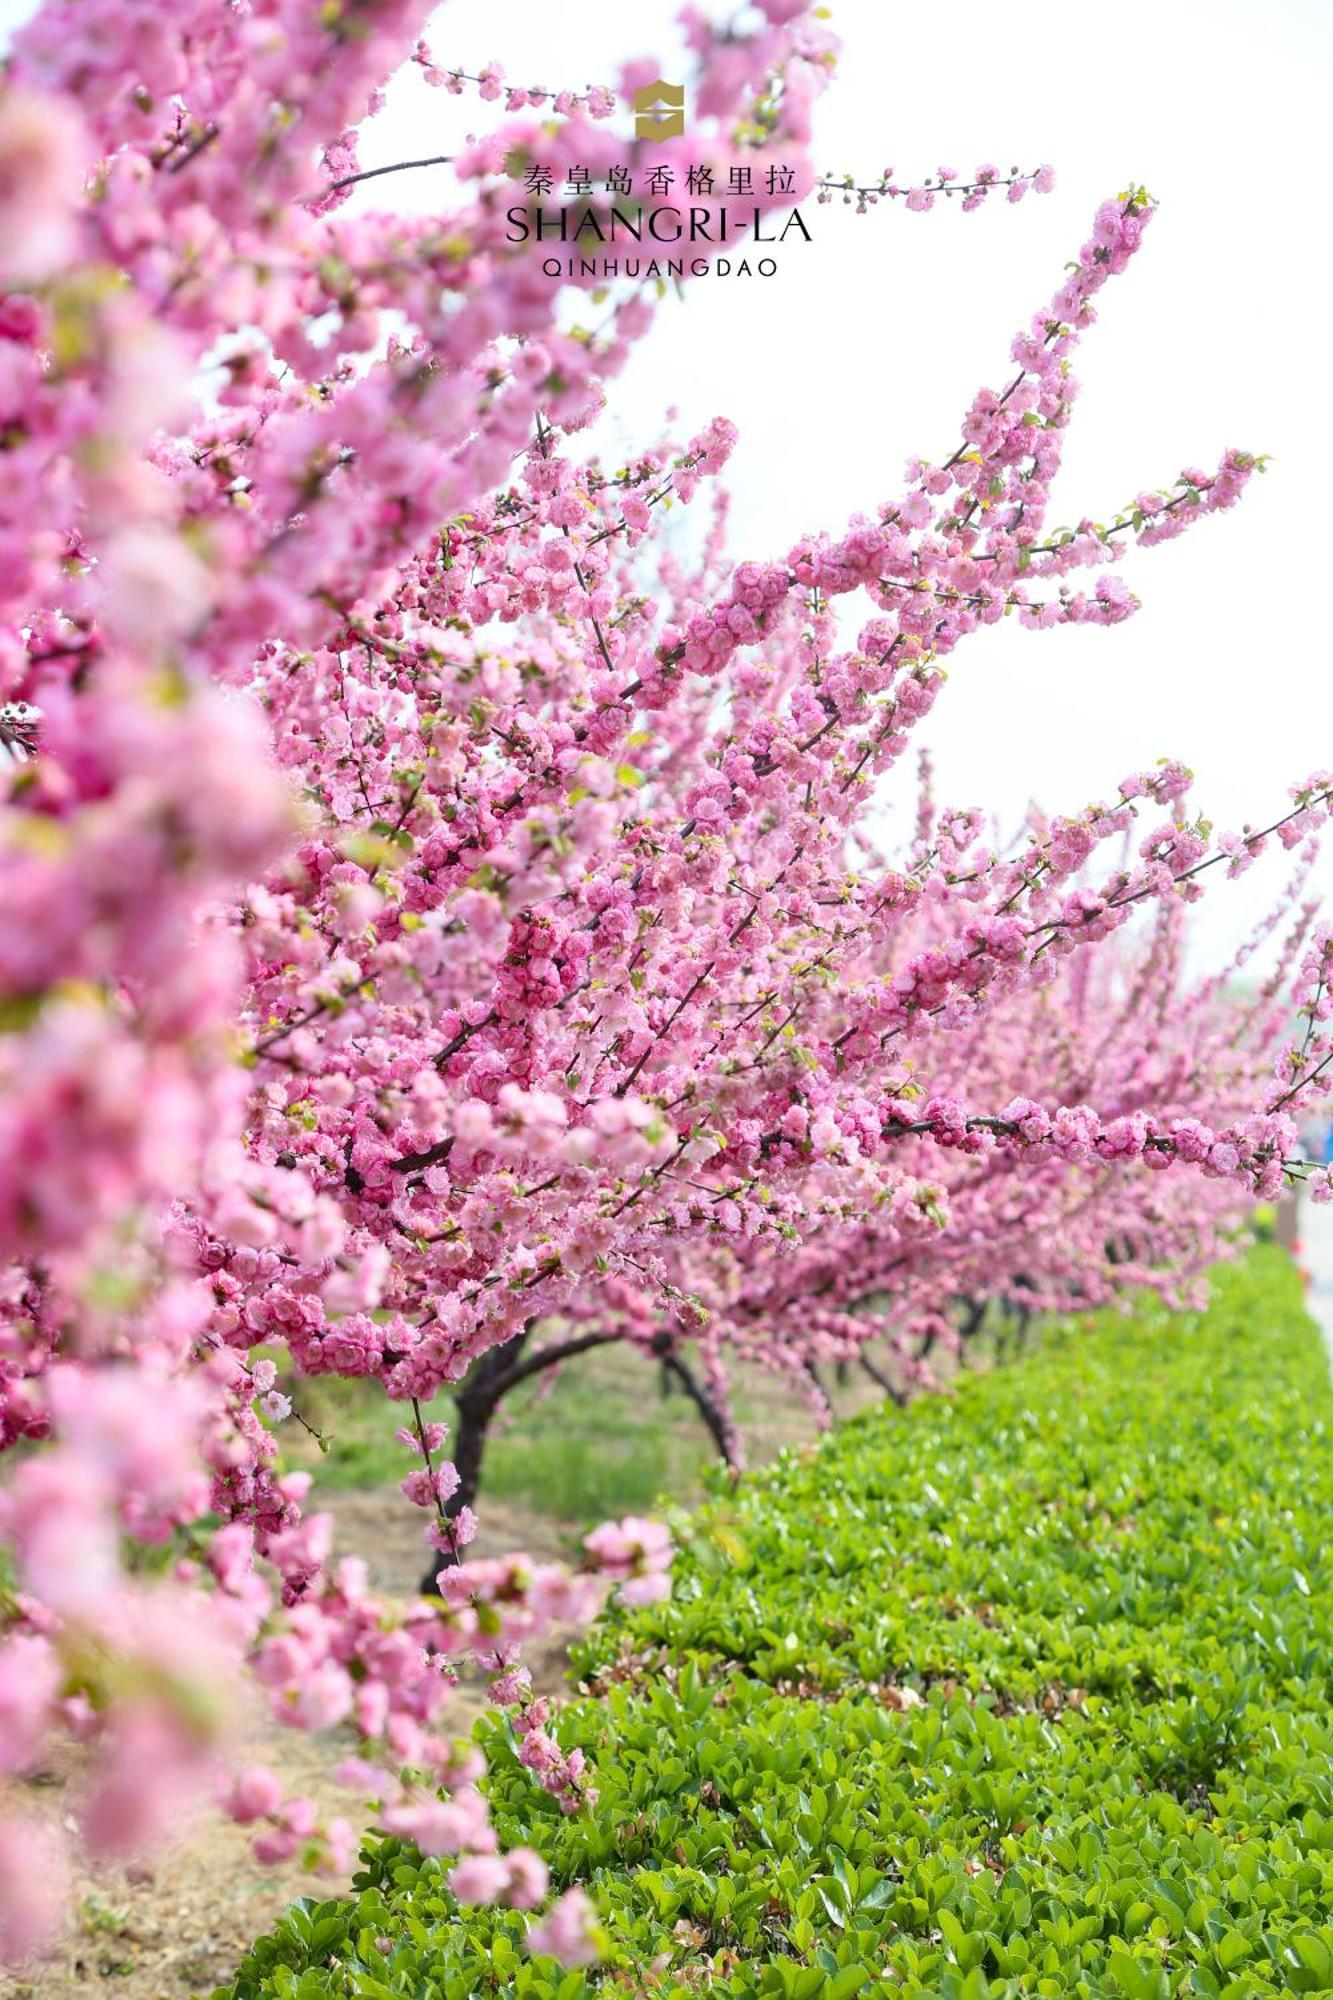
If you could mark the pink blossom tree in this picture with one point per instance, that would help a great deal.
(443, 931)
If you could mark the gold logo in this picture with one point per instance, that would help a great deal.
(659, 111)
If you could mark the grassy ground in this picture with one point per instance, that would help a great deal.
(1024, 1692)
(597, 1439)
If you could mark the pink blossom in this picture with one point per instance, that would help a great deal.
(479, 1878)
(446, 932)
(568, 1931)
(44, 154)
(29, 1682)
(32, 1887)
(255, 1794)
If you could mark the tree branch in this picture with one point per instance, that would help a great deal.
(398, 167)
(703, 1402)
(546, 1357)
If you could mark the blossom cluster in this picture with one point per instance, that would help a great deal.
(439, 913)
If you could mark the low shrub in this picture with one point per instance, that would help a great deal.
(1023, 1691)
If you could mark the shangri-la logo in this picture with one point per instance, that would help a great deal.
(691, 217)
(659, 111)
(660, 183)
(658, 203)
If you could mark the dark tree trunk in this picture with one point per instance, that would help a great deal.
(1013, 1334)
(477, 1398)
(815, 1378)
(974, 1311)
(876, 1374)
(672, 1364)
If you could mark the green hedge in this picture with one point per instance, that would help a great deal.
(1104, 1570)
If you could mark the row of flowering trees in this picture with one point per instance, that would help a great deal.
(444, 929)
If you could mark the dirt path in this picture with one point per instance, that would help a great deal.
(173, 1928)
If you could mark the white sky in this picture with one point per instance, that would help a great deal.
(871, 340)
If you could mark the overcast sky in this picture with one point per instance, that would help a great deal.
(871, 340)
